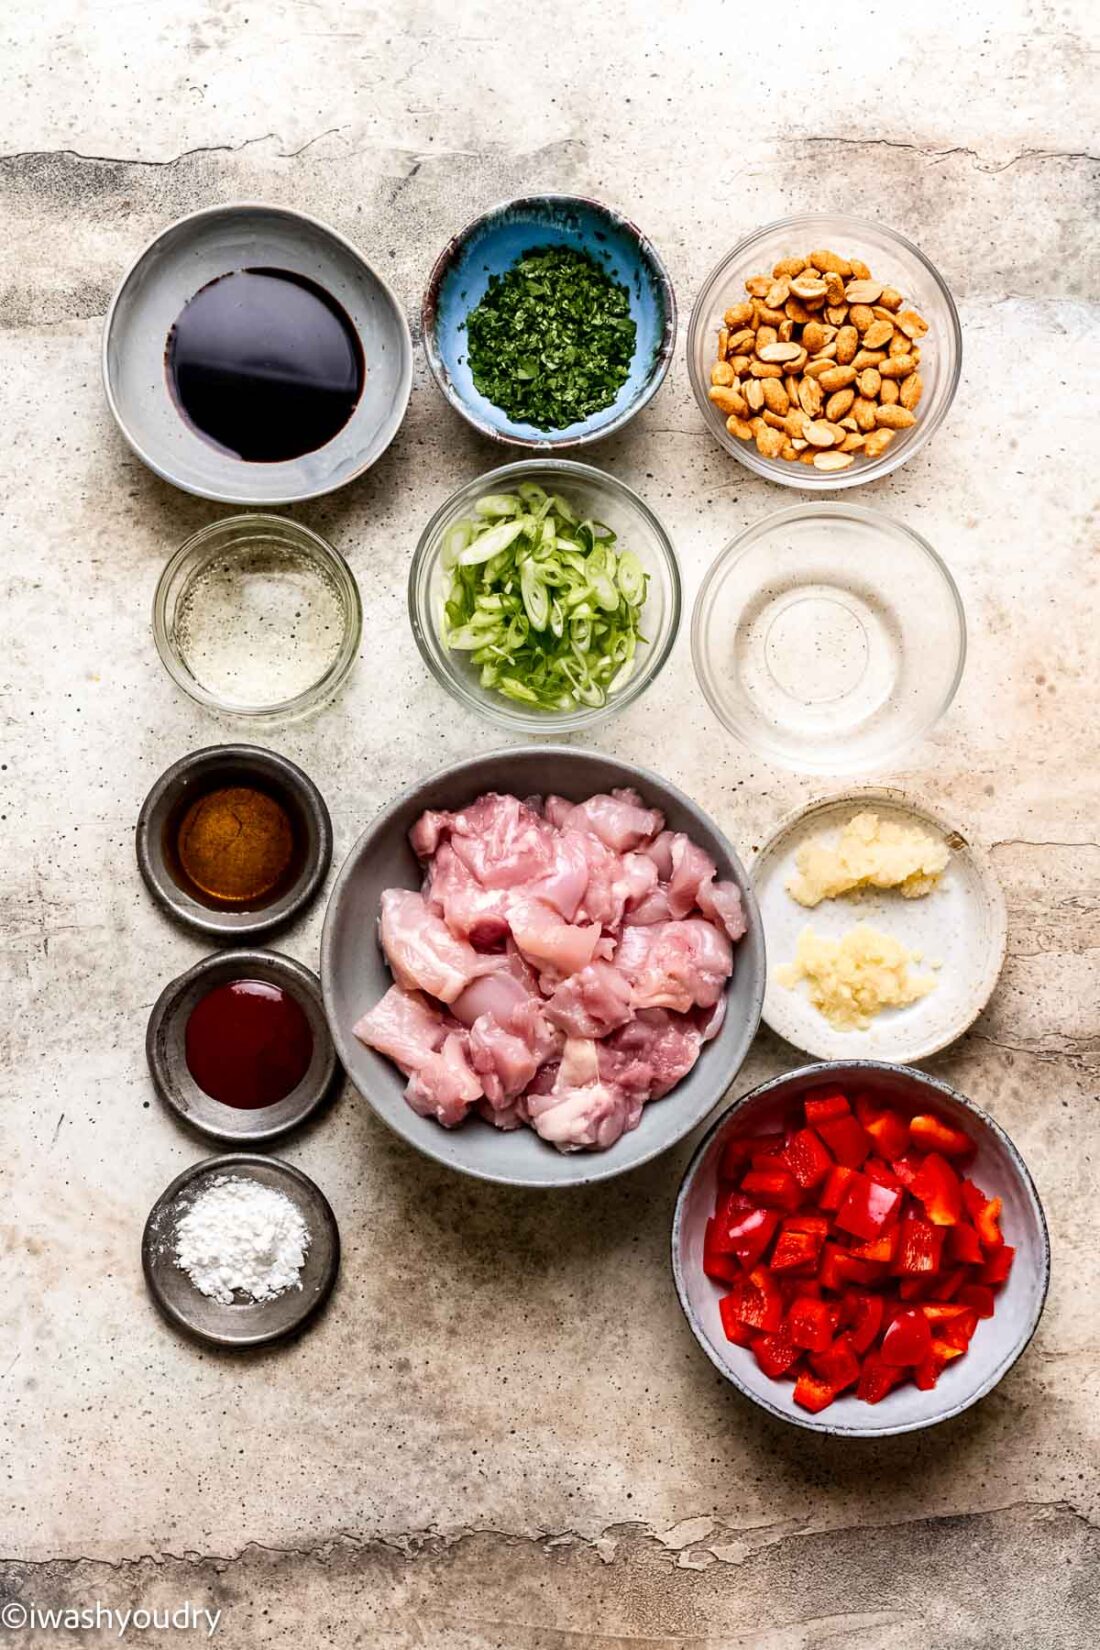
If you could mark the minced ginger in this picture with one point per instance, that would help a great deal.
(854, 978)
(869, 853)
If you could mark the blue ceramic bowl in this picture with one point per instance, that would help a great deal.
(490, 246)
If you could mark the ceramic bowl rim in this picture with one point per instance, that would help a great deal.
(780, 472)
(505, 715)
(237, 961)
(661, 362)
(826, 1070)
(225, 209)
(736, 548)
(603, 1163)
(202, 920)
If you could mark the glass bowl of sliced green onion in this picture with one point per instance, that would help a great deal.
(545, 595)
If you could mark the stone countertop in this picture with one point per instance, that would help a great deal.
(502, 1432)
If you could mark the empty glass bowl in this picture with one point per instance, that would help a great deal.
(893, 260)
(593, 494)
(829, 637)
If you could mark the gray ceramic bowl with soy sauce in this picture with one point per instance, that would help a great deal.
(179, 842)
(232, 285)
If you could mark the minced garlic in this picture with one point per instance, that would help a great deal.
(854, 978)
(869, 853)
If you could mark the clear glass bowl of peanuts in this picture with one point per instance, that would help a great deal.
(824, 351)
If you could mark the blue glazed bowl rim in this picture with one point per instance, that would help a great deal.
(446, 260)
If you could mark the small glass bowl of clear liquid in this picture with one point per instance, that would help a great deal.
(257, 616)
(829, 638)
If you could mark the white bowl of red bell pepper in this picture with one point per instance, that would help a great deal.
(860, 1249)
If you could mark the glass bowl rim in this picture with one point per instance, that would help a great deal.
(894, 456)
(431, 649)
(321, 552)
(740, 545)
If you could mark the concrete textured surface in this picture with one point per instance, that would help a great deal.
(501, 1433)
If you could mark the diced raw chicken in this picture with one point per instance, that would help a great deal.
(651, 1054)
(478, 914)
(581, 1110)
(621, 821)
(677, 965)
(445, 1086)
(421, 950)
(581, 949)
(591, 1002)
(403, 1026)
(547, 941)
(721, 901)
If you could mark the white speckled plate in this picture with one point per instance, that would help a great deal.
(961, 925)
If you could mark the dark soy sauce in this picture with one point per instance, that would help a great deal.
(265, 364)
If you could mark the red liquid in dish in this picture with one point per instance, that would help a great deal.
(248, 1044)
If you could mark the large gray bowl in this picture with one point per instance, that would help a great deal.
(354, 974)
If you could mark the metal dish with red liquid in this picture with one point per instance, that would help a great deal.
(251, 1026)
(997, 1168)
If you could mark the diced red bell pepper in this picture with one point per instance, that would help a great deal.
(868, 1207)
(919, 1288)
(717, 1264)
(756, 1300)
(907, 1168)
(838, 1364)
(932, 1134)
(825, 1104)
(985, 1212)
(940, 1312)
(882, 1248)
(908, 1340)
(796, 1250)
(748, 1235)
(776, 1354)
(772, 1188)
(928, 1372)
(741, 1334)
(876, 1379)
(832, 1193)
(944, 1352)
(998, 1266)
(919, 1247)
(938, 1187)
(959, 1331)
(865, 1321)
(846, 1138)
(946, 1285)
(887, 1129)
(739, 1150)
(876, 1169)
(807, 1158)
(812, 1393)
(810, 1323)
(770, 1162)
(963, 1245)
(978, 1296)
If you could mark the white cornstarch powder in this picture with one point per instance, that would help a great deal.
(239, 1235)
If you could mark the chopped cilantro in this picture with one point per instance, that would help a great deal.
(552, 340)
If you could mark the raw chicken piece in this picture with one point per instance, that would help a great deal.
(660, 852)
(651, 1055)
(428, 832)
(403, 1026)
(619, 820)
(654, 908)
(580, 1109)
(408, 1030)
(502, 841)
(421, 950)
(547, 941)
(691, 867)
(615, 882)
(504, 1062)
(505, 1117)
(478, 914)
(445, 1086)
(676, 965)
(721, 902)
(591, 1002)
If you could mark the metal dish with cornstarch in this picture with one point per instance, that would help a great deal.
(234, 842)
